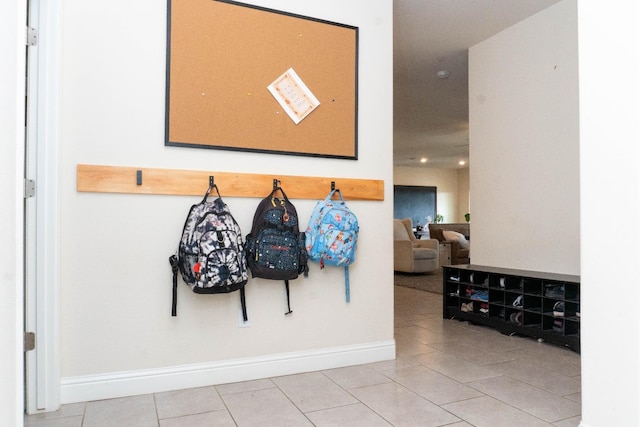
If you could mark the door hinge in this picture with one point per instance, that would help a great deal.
(29, 341)
(32, 36)
(29, 188)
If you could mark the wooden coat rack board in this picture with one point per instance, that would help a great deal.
(131, 180)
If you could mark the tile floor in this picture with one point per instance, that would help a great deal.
(447, 373)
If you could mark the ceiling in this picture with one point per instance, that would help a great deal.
(431, 115)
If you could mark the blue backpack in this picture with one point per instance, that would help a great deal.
(332, 235)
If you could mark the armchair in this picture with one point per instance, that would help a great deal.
(411, 255)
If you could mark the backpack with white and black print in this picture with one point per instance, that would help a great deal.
(332, 235)
(210, 256)
(275, 246)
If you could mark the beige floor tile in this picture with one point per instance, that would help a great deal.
(542, 404)
(73, 410)
(402, 407)
(74, 421)
(471, 352)
(530, 373)
(403, 322)
(208, 419)
(550, 356)
(433, 386)
(437, 323)
(456, 368)
(569, 422)
(498, 342)
(410, 301)
(398, 362)
(576, 397)
(408, 347)
(489, 412)
(187, 402)
(136, 411)
(357, 415)
(356, 376)
(408, 320)
(313, 391)
(422, 335)
(268, 407)
(468, 335)
(245, 386)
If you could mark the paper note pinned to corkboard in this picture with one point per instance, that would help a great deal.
(293, 95)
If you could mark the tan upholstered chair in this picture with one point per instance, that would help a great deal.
(411, 255)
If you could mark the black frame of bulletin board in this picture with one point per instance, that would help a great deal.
(221, 57)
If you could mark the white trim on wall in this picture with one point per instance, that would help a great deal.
(43, 387)
(12, 72)
(119, 384)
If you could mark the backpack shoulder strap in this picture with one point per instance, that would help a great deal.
(347, 290)
(286, 287)
(243, 303)
(173, 260)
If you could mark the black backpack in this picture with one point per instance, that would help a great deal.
(275, 246)
(210, 255)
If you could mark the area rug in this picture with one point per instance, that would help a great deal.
(429, 282)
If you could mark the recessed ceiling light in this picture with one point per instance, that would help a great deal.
(423, 160)
(443, 74)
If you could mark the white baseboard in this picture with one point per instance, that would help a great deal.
(120, 384)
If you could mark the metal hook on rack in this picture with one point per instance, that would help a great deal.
(212, 186)
(336, 190)
(276, 183)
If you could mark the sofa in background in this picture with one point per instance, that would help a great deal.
(457, 234)
(411, 255)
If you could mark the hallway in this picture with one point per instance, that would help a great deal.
(447, 373)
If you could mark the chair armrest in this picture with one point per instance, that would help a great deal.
(428, 243)
(455, 248)
(403, 256)
(400, 246)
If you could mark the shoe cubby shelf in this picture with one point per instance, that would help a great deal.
(530, 303)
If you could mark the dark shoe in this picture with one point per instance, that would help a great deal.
(558, 309)
(558, 325)
(516, 318)
(554, 291)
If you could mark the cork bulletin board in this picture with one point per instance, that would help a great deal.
(242, 77)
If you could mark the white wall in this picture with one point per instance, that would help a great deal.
(524, 144)
(463, 194)
(115, 280)
(12, 69)
(609, 153)
(450, 184)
